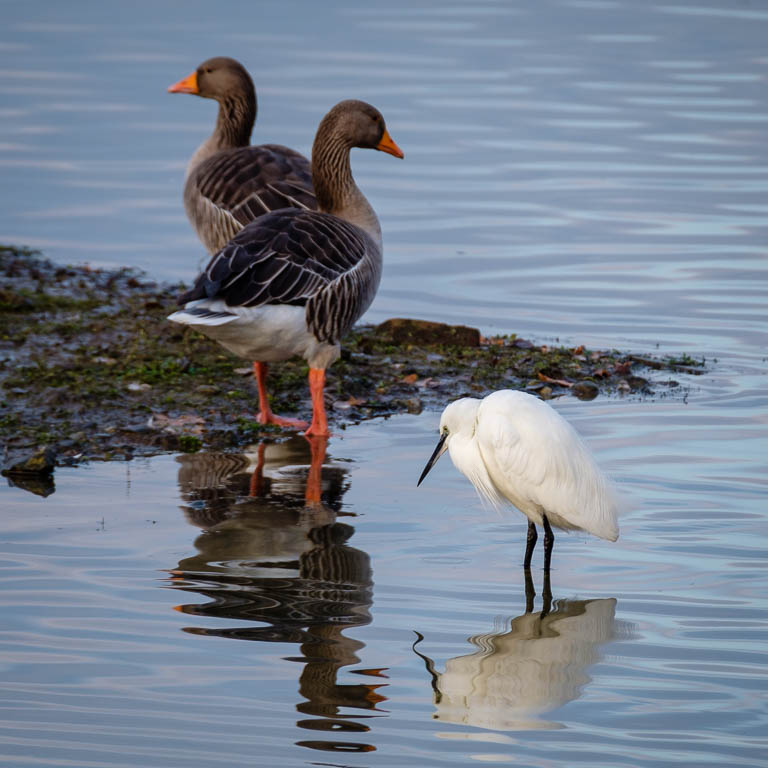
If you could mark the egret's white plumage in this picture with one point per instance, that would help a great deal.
(516, 449)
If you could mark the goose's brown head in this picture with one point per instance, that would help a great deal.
(220, 78)
(359, 124)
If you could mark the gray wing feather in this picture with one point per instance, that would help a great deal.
(235, 186)
(297, 257)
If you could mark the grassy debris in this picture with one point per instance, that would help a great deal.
(90, 367)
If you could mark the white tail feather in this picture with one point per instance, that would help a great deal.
(191, 317)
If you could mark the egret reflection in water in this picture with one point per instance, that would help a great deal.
(274, 558)
(535, 664)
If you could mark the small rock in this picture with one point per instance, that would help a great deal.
(135, 386)
(424, 333)
(413, 405)
(637, 382)
(623, 386)
(522, 344)
(585, 390)
(206, 389)
(136, 429)
(41, 463)
(545, 393)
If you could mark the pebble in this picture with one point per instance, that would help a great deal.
(585, 390)
(42, 462)
(414, 405)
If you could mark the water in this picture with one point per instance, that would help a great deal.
(589, 171)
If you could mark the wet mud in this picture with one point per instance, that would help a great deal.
(90, 369)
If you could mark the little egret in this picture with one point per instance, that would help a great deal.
(515, 448)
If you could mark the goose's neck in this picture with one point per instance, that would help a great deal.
(335, 186)
(234, 124)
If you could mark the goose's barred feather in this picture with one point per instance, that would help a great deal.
(297, 257)
(234, 186)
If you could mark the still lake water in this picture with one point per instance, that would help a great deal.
(587, 170)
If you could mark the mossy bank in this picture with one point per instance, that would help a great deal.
(90, 368)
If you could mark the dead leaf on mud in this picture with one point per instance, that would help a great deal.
(550, 380)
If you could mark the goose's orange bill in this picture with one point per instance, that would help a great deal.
(187, 85)
(387, 145)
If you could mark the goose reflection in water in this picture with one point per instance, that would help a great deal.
(534, 666)
(272, 552)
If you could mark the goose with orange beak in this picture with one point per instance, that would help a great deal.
(294, 282)
(230, 182)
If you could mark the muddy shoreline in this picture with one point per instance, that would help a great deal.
(90, 369)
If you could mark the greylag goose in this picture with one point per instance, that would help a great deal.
(293, 282)
(230, 183)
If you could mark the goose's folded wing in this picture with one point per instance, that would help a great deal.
(295, 257)
(248, 182)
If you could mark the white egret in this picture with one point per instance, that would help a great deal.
(516, 449)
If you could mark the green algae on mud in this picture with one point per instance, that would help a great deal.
(90, 367)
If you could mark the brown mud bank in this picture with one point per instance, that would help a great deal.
(91, 369)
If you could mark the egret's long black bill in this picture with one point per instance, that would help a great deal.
(438, 452)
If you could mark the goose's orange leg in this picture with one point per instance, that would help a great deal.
(319, 425)
(265, 415)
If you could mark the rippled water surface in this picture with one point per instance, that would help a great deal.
(588, 170)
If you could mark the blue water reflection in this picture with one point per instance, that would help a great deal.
(525, 668)
(593, 171)
(273, 558)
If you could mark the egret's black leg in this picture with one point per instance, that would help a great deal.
(530, 592)
(549, 540)
(546, 595)
(531, 543)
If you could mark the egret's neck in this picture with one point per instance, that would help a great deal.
(335, 187)
(234, 124)
(467, 458)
